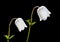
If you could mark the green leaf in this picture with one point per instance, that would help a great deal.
(28, 21)
(7, 37)
(33, 23)
(11, 36)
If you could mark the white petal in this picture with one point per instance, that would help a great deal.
(19, 22)
(43, 13)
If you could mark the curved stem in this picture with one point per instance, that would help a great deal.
(9, 28)
(31, 23)
(33, 11)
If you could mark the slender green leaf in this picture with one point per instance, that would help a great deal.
(33, 23)
(7, 37)
(28, 21)
(11, 36)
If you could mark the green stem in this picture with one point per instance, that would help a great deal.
(28, 34)
(9, 28)
(8, 40)
(31, 23)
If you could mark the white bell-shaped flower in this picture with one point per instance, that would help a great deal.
(43, 13)
(19, 22)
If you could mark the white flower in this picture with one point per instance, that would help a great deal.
(19, 22)
(43, 13)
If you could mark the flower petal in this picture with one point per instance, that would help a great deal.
(43, 13)
(19, 22)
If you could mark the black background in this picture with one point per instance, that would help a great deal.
(41, 31)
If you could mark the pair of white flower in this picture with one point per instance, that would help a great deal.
(42, 12)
